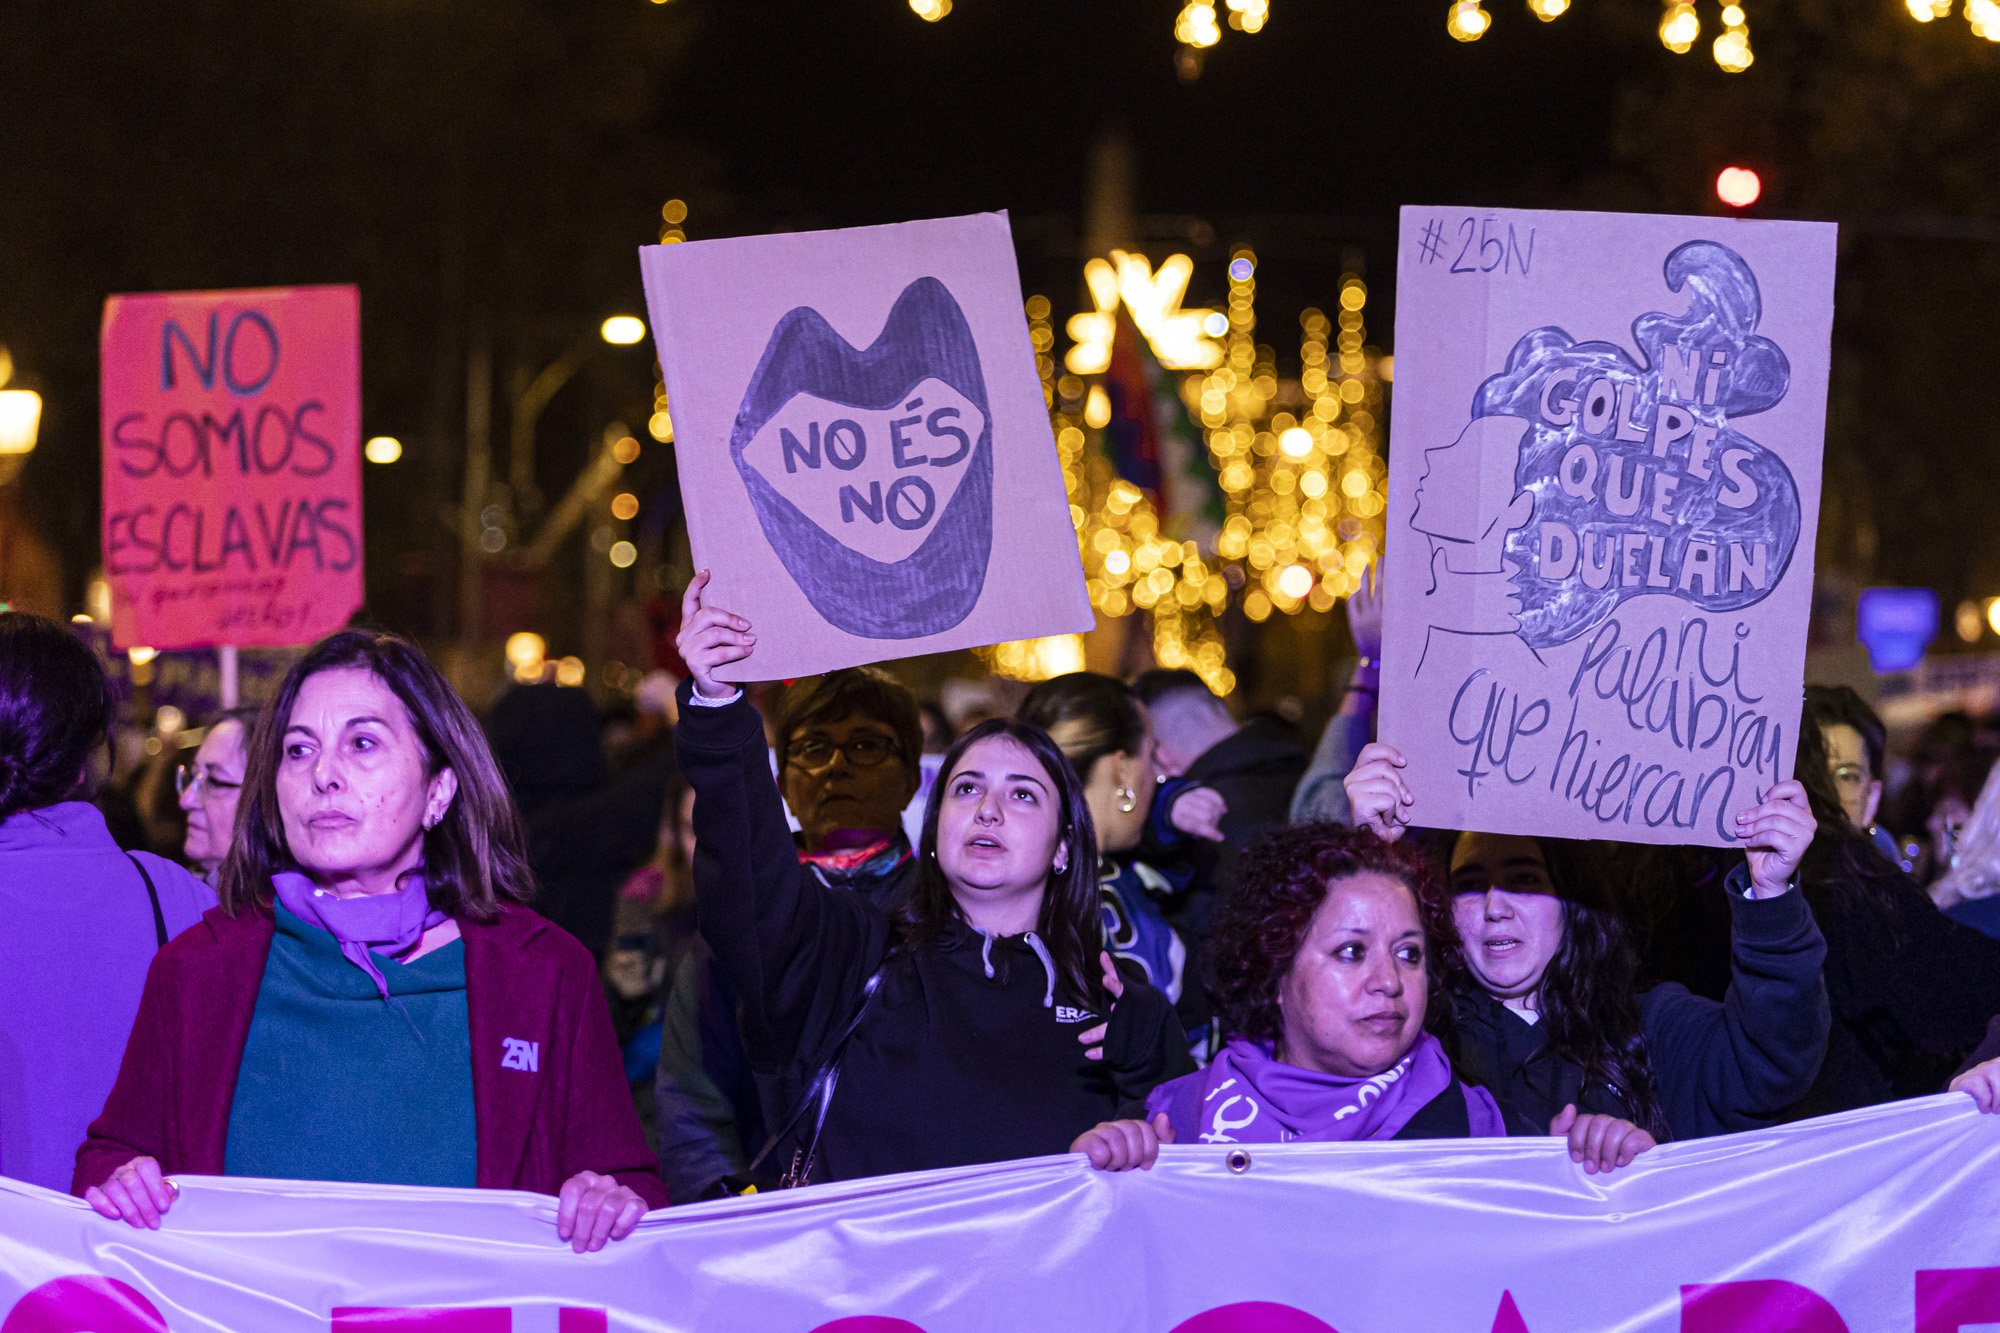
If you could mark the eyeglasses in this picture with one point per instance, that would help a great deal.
(863, 751)
(190, 778)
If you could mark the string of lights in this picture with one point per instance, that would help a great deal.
(1680, 24)
(1298, 460)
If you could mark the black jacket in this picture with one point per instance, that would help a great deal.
(712, 1114)
(1719, 1068)
(964, 1054)
(1912, 992)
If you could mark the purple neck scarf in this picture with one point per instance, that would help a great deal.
(1248, 1096)
(384, 922)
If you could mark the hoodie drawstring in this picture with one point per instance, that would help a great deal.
(1041, 951)
(1048, 966)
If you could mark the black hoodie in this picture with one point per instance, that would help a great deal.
(967, 1052)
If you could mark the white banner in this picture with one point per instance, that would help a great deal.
(1883, 1219)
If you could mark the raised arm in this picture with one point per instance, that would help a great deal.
(1732, 1066)
(796, 951)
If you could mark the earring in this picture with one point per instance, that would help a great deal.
(1128, 800)
(1062, 861)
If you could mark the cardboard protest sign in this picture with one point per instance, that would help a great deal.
(1603, 494)
(232, 465)
(865, 455)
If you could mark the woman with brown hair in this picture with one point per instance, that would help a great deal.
(371, 1002)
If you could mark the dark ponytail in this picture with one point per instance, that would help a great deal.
(55, 709)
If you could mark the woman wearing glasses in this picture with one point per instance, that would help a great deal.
(79, 919)
(210, 785)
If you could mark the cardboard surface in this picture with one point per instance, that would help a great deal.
(865, 456)
(232, 466)
(1603, 492)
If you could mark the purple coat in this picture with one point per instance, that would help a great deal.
(76, 937)
(548, 1087)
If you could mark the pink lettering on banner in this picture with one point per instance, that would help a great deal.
(1254, 1317)
(380, 1319)
(84, 1305)
(1508, 1318)
(1757, 1307)
(1948, 1299)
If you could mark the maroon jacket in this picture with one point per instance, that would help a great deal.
(548, 1088)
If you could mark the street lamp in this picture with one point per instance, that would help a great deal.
(622, 330)
(20, 423)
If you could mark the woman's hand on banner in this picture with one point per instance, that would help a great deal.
(710, 637)
(1198, 812)
(136, 1193)
(1376, 792)
(1093, 1037)
(1600, 1142)
(1775, 836)
(1121, 1145)
(1982, 1083)
(593, 1209)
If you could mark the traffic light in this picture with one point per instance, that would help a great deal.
(1738, 186)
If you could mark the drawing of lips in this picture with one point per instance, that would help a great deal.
(871, 469)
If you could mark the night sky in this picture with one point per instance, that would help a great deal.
(485, 170)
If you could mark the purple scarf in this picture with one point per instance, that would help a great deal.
(385, 922)
(1248, 1096)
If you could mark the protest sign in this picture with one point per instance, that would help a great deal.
(865, 454)
(232, 466)
(1603, 494)
(1877, 1219)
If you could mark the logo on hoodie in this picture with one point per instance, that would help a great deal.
(871, 469)
(525, 1056)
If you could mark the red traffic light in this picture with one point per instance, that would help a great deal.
(1738, 186)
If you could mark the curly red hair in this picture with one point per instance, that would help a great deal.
(1282, 881)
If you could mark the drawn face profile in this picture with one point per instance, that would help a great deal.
(1468, 504)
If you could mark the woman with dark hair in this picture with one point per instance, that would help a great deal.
(1912, 990)
(371, 1002)
(1332, 951)
(1549, 1014)
(80, 920)
(1104, 732)
(977, 1021)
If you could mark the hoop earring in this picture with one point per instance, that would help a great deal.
(1128, 800)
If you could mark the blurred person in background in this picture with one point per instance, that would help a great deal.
(1104, 732)
(210, 785)
(1320, 794)
(1969, 892)
(587, 831)
(80, 920)
(1928, 814)
(1255, 767)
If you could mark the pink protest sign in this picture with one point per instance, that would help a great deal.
(1603, 494)
(232, 465)
(865, 454)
